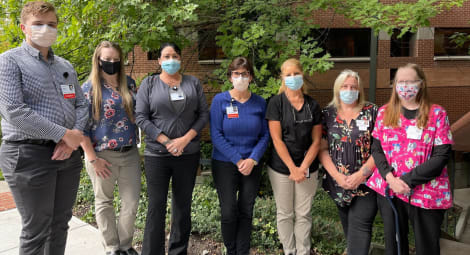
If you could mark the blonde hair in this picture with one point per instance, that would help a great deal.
(287, 63)
(95, 78)
(393, 108)
(346, 73)
(36, 8)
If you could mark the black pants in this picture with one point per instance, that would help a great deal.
(357, 220)
(237, 194)
(426, 225)
(44, 191)
(182, 172)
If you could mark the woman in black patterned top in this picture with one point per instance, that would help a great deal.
(345, 153)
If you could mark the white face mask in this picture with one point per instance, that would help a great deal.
(43, 35)
(241, 83)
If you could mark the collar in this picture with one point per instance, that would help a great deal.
(36, 53)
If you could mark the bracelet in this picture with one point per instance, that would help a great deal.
(93, 161)
(366, 171)
(167, 142)
(255, 162)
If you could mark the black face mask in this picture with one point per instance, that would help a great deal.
(110, 67)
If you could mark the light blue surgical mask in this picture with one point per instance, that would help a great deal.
(294, 82)
(171, 66)
(348, 96)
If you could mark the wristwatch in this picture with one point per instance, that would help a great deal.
(254, 161)
(93, 161)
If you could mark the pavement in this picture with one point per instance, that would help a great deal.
(82, 237)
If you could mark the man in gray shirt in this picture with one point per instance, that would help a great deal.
(43, 114)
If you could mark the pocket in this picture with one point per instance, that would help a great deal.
(9, 156)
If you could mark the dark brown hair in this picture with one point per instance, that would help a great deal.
(240, 62)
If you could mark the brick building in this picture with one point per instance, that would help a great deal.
(447, 67)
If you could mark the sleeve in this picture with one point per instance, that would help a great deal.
(86, 88)
(430, 169)
(274, 111)
(378, 125)
(81, 106)
(217, 133)
(16, 112)
(379, 157)
(202, 110)
(142, 112)
(263, 141)
(316, 113)
(324, 131)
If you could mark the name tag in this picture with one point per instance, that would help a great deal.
(176, 95)
(362, 124)
(232, 112)
(414, 133)
(68, 90)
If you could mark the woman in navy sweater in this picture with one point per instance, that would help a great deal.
(240, 136)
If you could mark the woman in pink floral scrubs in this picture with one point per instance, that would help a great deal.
(412, 144)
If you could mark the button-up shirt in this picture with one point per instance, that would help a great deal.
(35, 95)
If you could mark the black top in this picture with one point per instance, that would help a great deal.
(421, 174)
(296, 129)
(349, 147)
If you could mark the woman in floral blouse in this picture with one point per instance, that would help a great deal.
(412, 144)
(345, 153)
(110, 147)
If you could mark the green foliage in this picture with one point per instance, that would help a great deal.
(460, 39)
(83, 24)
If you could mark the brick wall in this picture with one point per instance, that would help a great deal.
(449, 81)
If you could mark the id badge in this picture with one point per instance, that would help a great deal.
(176, 95)
(362, 124)
(232, 112)
(413, 132)
(68, 90)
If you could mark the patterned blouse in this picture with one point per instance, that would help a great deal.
(114, 129)
(349, 148)
(404, 150)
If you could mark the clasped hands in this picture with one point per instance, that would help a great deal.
(69, 142)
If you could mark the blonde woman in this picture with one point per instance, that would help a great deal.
(345, 153)
(110, 147)
(294, 121)
(412, 144)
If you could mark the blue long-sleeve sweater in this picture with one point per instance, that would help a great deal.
(238, 138)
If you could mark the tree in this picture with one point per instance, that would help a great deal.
(266, 31)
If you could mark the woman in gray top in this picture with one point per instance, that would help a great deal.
(171, 109)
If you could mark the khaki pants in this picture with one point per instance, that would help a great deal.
(293, 204)
(126, 173)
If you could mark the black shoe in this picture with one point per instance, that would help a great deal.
(131, 251)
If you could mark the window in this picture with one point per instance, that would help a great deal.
(403, 46)
(443, 45)
(152, 55)
(207, 47)
(344, 42)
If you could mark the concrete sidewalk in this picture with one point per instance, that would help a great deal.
(82, 237)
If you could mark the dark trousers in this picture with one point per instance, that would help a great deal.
(182, 172)
(237, 194)
(357, 220)
(426, 225)
(44, 191)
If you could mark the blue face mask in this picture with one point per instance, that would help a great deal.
(171, 66)
(348, 96)
(294, 82)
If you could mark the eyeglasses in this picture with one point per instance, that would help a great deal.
(308, 113)
(237, 74)
(408, 82)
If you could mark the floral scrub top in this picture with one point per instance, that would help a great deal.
(349, 148)
(406, 147)
(114, 129)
